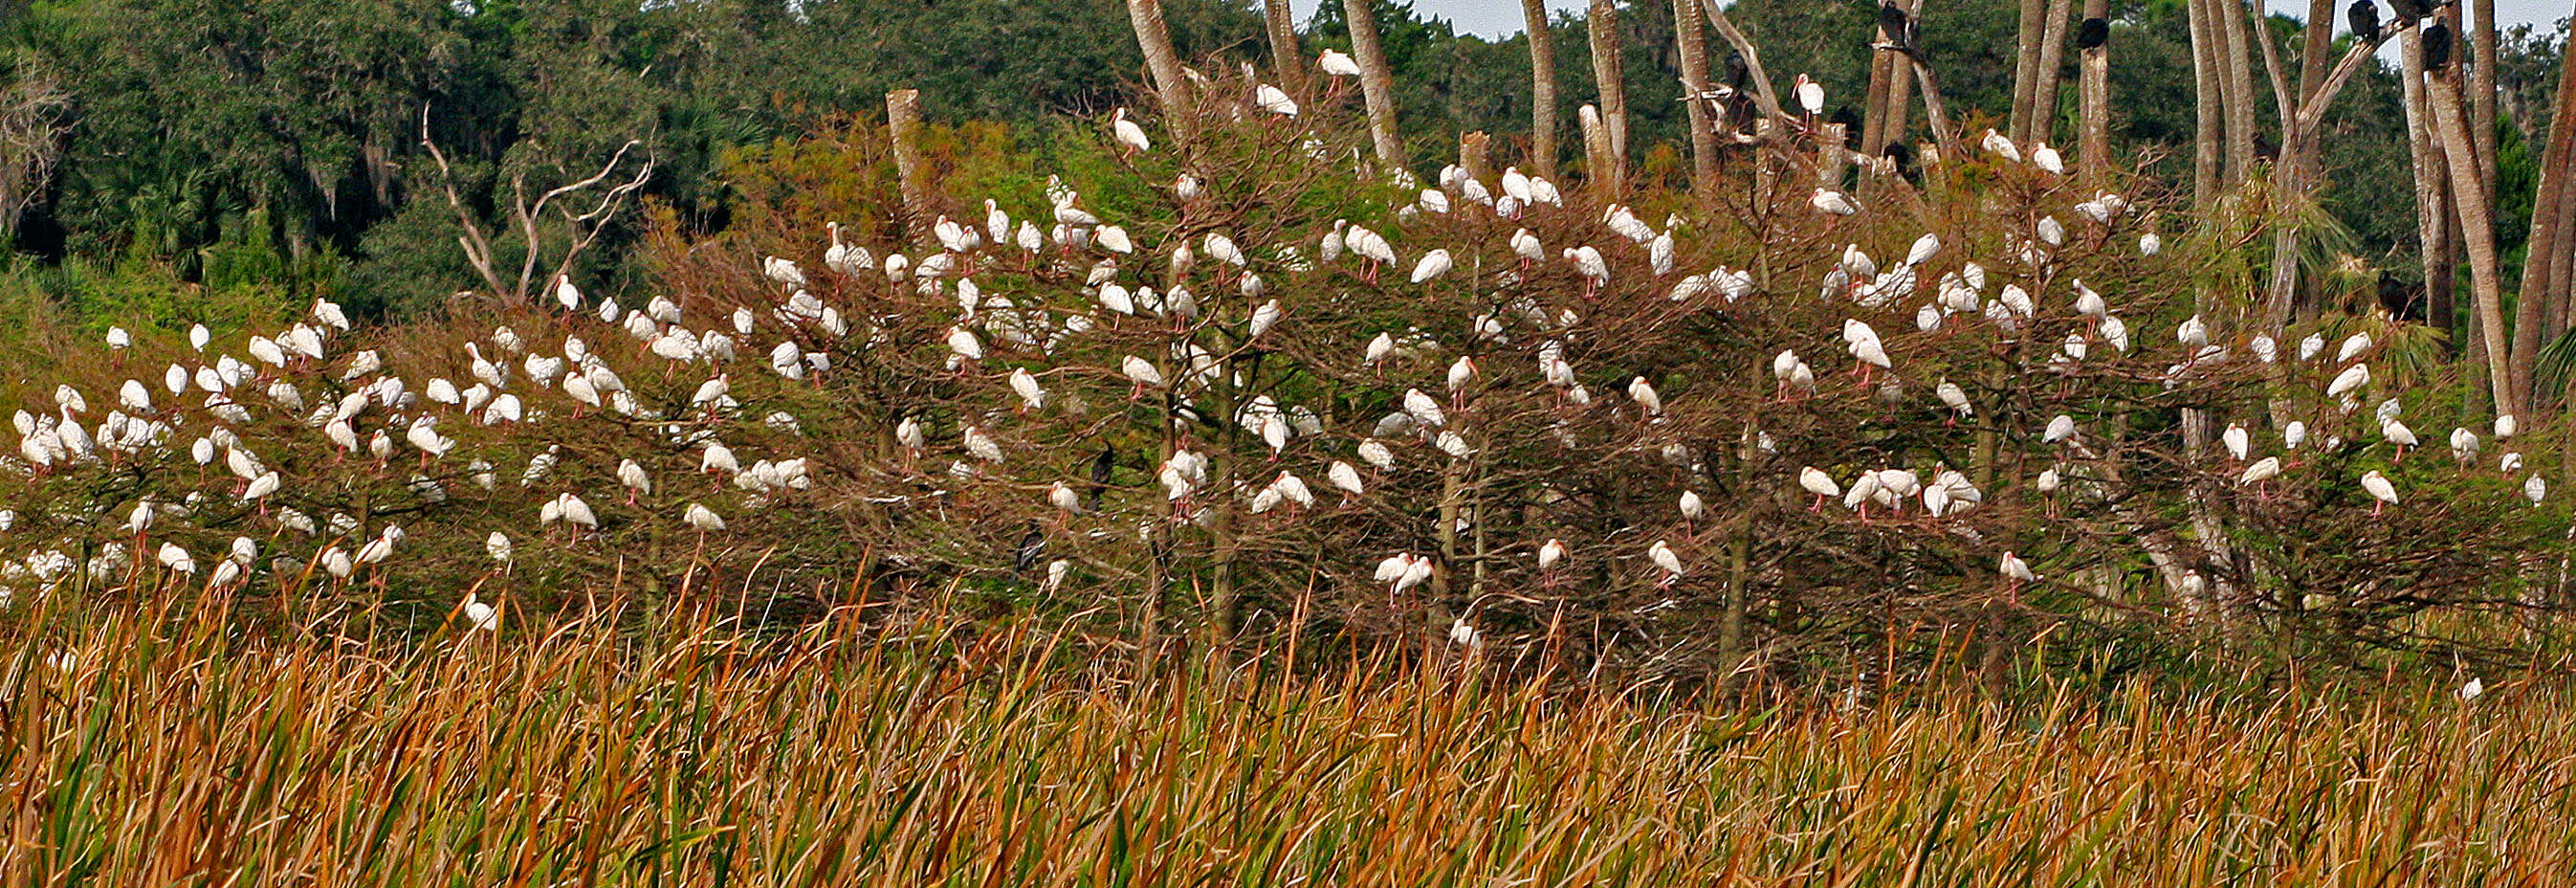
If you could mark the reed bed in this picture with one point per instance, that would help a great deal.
(167, 745)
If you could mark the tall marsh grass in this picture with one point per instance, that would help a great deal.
(153, 743)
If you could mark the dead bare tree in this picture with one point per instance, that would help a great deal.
(1542, 50)
(31, 130)
(528, 217)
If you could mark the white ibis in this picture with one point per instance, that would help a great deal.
(1129, 135)
(1956, 399)
(1433, 264)
(2533, 489)
(1550, 554)
(2350, 380)
(2061, 428)
(2015, 571)
(1833, 202)
(1272, 99)
(482, 617)
(1376, 454)
(2149, 244)
(1663, 557)
(1335, 63)
(2264, 348)
(2504, 426)
(1423, 408)
(1815, 481)
(2380, 489)
(1345, 478)
(1864, 344)
(1811, 95)
(1025, 384)
(2353, 346)
(1588, 263)
(2464, 445)
(2398, 434)
(2001, 145)
(1648, 401)
(1692, 507)
(2047, 160)
(2236, 439)
(1265, 318)
(2294, 434)
(980, 445)
(2262, 470)
(176, 559)
(2192, 333)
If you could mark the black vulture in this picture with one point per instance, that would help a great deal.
(1901, 155)
(2437, 46)
(1851, 125)
(2363, 15)
(1898, 26)
(2410, 10)
(1100, 469)
(2094, 32)
(1032, 545)
(2400, 300)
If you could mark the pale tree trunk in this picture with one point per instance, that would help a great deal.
(2093, 87)
(1377, 83)
(1691, 41)
(2236, 67)
(2544, 275)
(2486, 279)
(2043, 85)
(2207, 124)
(1542, 49)
(2482, 93)
(2026, 41)
(912, 178)
(1600, 163)
(1873, 125)
(1476, 156)
(1900, 87)
(2432, 231)
(1170, 83)
(1610, 79)
(1281, 22)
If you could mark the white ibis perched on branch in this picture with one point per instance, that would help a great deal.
(1130, 136)
(1662, 555)
(2380, 489)
(1815, 481)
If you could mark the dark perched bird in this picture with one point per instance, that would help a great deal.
(1898, 26)
(2093, 32)
(1900, 155)
(2266, 149)
(2400, 300)
(1100, 468)
(2410, 10)
(1851, 125)
(2363, 15)
(1032, 545)
(2437, 46)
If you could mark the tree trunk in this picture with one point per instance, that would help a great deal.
(1542, 50)
(1600, 164)
(2450, 117)
(2207, 124)
(1611, 80)
(2093, 87)
(2482, 92)
(1691, 41)
(2043, 85)
(1873, 115)
(2026, 41)
(2236, 69)
(1377, 83)
(2432, 231)
(2541, 313)
(903, 125)
(1900, 87)
(1170, 84)
(1281, 22)
(1476, 156)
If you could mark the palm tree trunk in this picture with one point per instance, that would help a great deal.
(2482, 93)
(2093, 88)
(2450, 119)
(1873, 123)
(1691, 41)
(1377, 83)
(2026, 42)
(1610, 79)
(2540, 313)
(2237, 72)
(912, 178)
(1900, 86)
(1281, 23)
(2207, 123)
(1170, 84)
(1542, 50)
(2043, 87)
